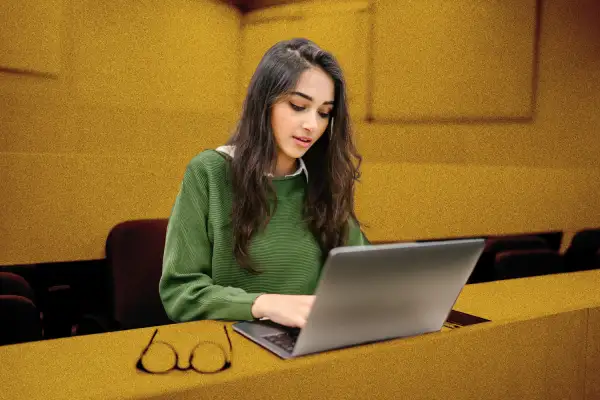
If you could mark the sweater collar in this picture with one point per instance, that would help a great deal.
(230, 151)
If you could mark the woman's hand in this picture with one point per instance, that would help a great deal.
(288, 310)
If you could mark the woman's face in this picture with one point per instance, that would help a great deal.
(300, 118)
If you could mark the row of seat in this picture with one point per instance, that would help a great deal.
(20, 319)
(507, 257)
(134, 252)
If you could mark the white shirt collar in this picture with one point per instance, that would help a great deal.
(230, 151)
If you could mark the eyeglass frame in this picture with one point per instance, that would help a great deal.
(227, 356)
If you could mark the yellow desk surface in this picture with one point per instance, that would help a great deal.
(513, 357)
(531, 297)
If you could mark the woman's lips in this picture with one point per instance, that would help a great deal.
(302, 141)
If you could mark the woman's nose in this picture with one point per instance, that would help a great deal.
(310, 123)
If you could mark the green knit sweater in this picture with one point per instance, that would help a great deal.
(201, 278)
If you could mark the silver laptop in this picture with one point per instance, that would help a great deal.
(373, 293)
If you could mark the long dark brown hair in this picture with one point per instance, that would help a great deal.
(332, 162)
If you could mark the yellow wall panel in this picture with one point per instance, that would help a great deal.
(174, 54)
(453, 59)
(58, 207)
(80, 128)
(520, 144)
(126, 110)
(61, 207)
(143, 87)
(30, 36)
(407, 201)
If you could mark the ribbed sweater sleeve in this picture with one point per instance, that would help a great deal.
(186, 287)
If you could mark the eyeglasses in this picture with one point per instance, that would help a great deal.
(206, 357)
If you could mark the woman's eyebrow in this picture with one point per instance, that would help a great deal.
(307, 97)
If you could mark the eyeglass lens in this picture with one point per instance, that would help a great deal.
(205, 357)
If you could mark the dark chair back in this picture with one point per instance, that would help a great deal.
(581, 253)
(11, 283)
(19, 320)
(19, 317)
(484, 269)
(525, 263)
(134, 253)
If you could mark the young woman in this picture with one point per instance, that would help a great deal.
(255, 219)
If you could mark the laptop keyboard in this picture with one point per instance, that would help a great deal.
(284, 340)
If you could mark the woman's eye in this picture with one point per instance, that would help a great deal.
(296, 108)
